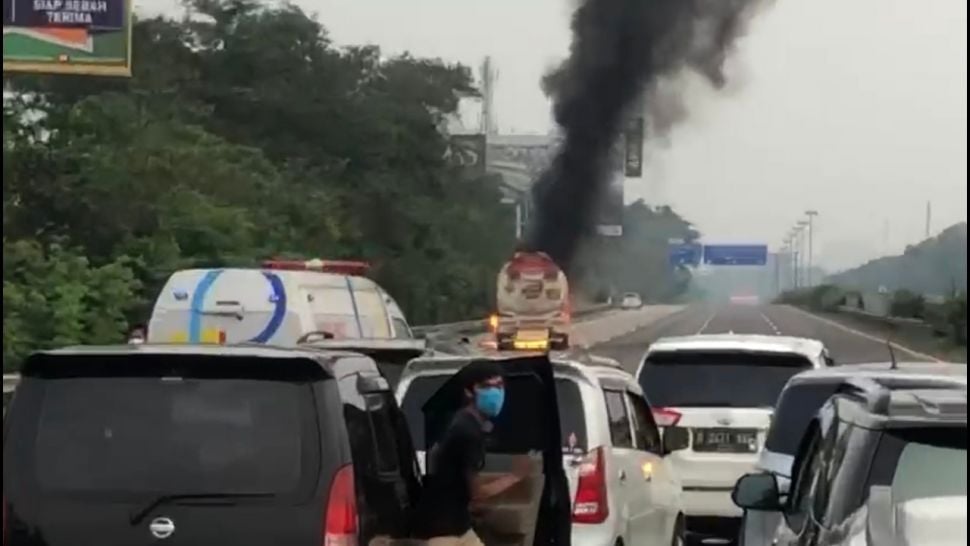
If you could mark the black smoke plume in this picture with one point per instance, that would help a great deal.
(621, 50)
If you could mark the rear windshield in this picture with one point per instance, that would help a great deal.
(717, 379)
(795, 409)
(572, 419)
(162, 433)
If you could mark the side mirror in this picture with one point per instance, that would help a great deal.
(675, 439)
(757, 492)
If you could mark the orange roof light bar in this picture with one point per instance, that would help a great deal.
(342, 267)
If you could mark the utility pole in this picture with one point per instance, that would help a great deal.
(811, 241)
(489, 75)
(929, 216)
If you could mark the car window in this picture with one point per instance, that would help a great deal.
(572, 418)
(401, 330)
(803, 486)
(919, 463)
(696, 378)
(620, 431)
(646, 433)
(834, 449)
(141, 435)
(796, 407)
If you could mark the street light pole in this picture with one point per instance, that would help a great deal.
(801, 226)
(811, 241)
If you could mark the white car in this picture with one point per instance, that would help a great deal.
(631, 300)
(713, 396)
(623, 487)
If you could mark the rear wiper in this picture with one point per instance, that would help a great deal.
(138, 515)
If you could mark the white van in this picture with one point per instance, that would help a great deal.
(283, 303)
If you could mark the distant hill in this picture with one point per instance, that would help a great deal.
(935, 266)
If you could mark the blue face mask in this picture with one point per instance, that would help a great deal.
(489, 400)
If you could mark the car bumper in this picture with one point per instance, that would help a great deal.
(605, 534)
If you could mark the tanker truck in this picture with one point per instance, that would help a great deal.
(533, 304)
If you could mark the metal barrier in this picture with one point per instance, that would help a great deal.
(481, 325)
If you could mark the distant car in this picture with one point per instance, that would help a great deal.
(881, 464)
(714, 395)
(621, 484)
(631, 300)
(798, 404)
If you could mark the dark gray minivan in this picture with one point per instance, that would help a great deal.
(203, 445)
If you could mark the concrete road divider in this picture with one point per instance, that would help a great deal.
(605, 327)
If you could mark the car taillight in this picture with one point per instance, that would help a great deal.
(591, 505)
(666, 417)
(340, 521)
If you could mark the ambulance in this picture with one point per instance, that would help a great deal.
(284, 303)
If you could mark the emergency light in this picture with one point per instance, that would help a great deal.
(340, 267)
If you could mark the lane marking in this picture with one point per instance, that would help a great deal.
(864, 335)
(772, 324)
(706, 323)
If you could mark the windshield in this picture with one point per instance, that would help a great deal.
(137, 435)
(571, 410)
(723, 379)
(796, 407)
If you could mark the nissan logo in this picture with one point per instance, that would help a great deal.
(162, 527)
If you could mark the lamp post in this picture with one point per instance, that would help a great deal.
(802, 227)
(811, 241)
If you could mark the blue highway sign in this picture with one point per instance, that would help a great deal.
(735, 254)
(684, 254)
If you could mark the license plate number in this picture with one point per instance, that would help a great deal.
(532, 335)
(726, 440)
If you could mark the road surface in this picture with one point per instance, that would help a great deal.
(847, 346)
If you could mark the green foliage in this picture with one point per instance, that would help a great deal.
(53, 296)
(821, 298)
(637, 261)
(935, 266)
(907, 304)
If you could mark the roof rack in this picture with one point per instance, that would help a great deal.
(877, 392)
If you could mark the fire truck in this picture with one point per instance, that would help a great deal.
(533, 304)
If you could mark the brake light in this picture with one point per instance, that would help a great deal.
(666, 417)
(340, 521)
(493, 322)
(591, 505)
(342, 267)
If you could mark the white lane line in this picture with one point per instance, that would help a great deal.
(772, 324)
(707, 323)
(870, 337)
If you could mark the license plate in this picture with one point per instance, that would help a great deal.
(726, 440)
(532, 335)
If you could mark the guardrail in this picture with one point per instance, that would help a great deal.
(481, 325)
(10, 381)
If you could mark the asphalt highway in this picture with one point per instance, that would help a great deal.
(846, 345)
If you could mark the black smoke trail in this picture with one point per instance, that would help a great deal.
(620, 50)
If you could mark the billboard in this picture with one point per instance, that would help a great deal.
(91, 37)
(633, 145)
(735, 254)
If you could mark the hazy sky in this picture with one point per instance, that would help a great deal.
(856, 108)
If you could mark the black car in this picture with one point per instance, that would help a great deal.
(197, 445)
(873, 434)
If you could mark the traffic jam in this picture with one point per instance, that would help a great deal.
(292, 404)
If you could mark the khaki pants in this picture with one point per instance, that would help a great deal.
(468, 539)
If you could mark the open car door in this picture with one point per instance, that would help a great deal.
(537, 510)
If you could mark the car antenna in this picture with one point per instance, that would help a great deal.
(893, 364)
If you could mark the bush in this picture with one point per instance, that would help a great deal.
(822, 298)
(907, 304)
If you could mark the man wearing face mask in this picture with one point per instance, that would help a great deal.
(454, 482)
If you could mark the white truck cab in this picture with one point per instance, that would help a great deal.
(282, 303)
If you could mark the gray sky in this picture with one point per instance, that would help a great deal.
(856, 108)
